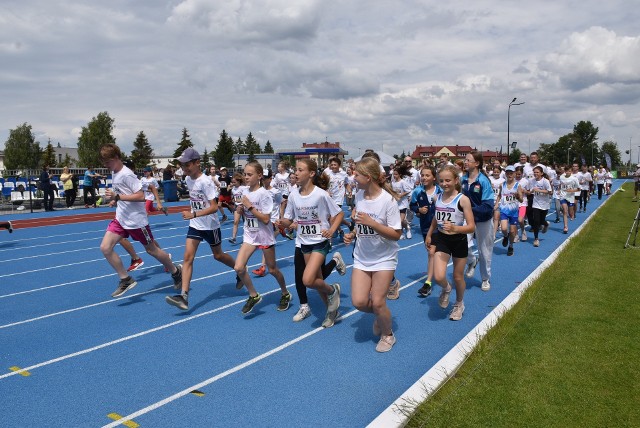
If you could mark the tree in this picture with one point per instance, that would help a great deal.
(49, 155)
(93, 136)
(142, 152)
(251, 145)
(67, 161)
(514, 156)
(224, 150)
(184, 143)
(578, 146)
(205, 161)
(21, 150)
(268, 148)
(610, 148)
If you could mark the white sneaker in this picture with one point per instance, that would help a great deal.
(409, 235)
(303, 313)
(471, 268)
(486, 285)
(341, 267)
(402, 237)
(386, 343)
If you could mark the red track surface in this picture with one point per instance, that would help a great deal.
(85, 216)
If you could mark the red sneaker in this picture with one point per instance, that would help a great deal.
(135, 264)
(261, 271)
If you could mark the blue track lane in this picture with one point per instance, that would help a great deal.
(91, 355)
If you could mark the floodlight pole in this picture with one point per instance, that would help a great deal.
(512, 103)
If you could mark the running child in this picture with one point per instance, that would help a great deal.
(523, 183)
(267, 179)
(375, 257)
(402, 189)
(510, 198)
(238, 189)
(338, 186)
(497, 179)
(454, 219)
(540, 188)
(569, 185)
(257, 205)
(224, 198)
(423, 203)
(317, 217)
(203, 224)
(150, 188)
(131, 220)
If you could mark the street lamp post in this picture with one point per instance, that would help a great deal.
(512, 103)
(568, 149)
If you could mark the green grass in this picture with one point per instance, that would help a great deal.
(568, 354)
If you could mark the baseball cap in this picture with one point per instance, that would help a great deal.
(223, 168)
(510, 168)
(147, 169)
(190, 154)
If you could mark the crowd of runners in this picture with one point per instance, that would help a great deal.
(462, 208)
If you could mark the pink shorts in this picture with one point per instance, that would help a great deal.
(148, 205)
(522, 212)
(142, 235)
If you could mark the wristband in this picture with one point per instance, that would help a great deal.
(195, 214)
(117, 198)
(251, 207)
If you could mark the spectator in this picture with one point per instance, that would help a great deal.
(67, 183)
(167, 174)
(87, 187)
(46, 187)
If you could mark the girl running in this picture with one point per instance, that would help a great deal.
(423, 204)
(568, 187)
(523, 183)
(453, 219)
(237, 191)
(257, 205)
(497, 179)
(375, 257)
(317, 217)
(541, 190)
(402, 188)
(510, 199)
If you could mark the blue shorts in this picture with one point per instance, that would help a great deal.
(565, 202)
(212, 237)
(512, 219)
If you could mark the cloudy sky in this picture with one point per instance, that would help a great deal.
(387, 75)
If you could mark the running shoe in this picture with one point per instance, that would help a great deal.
(471, 267)
(261, 271)
(386, 343)
(505, 241)
(409, 235)
(282, 232)
(402, 238)
(302, 313)
(251, 302)
(285, 300)
(135, 264)
(545, 227)
(443, 300)
(486, 285)
(426, 289)
(456, 312)
(524, 235)
(178, 301)
(565, 231)
(165, 210)
(232, 241)
(510, 251)
(556, 220)
(239, 283)
(536, 243)
(289, 235)
(177, 277)
(224, 218)
(341, 267)
(124, 285)
(10, 227)
(330, 319)
(334, 298)
(394, 290)
(517, 238)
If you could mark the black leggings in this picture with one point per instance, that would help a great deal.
(600, 189)
(584, 197)
(539, 219)
(299, 266)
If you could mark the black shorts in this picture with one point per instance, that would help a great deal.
(454, 245)
(403, 211)
(322, 247)
(213, 237)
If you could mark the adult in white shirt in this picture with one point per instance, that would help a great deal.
(599, 176)
(584, 179)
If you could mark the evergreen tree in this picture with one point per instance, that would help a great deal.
(142, 152)
(49, 155)
(251, 145)
(93, 136)
(268, 148)
(239, 149)
(21, 150)
(67, 161)
(184, 143)
(205, 160)
(224, 150)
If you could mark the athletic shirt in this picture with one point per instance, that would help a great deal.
(131, 215)
(374, 252)
(281, 182)
(600, 176)
(528, 170)
(570, 182)
(402, 186)
(556, 185)
(237, 192)
(449, 211)
(584, 178)
(225, 185)
(496, 185)
(201, 192)
(337, 182)
(312, 213)
(146, 182)
(541, 201)
(256, 232)
(277, 199)
(524, 183)
(509, 203)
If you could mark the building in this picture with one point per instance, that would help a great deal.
(433, 153)
(319, 152)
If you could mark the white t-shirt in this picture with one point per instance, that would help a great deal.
(237, 192)
(372, 251)
(277, 199)
(402, 186)
(312, 213)
(146, 182)
(131, 215)
(528, 170)
(524, 184)
(337, 183)
(600, 176)
(570, 182)
(496, 185)
(281, 182)
(256, 232)
(201, 192)
(541, 201)
(584, 178)
(414, 180)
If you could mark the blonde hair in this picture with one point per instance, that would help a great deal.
(452, 169)
(370, 167)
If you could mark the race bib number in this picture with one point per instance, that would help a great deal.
(197, 205)
(365, 231)
(442, 216)
(309, 230)
(223, 184)
(251, 223)
(509, 198)
(237, 199)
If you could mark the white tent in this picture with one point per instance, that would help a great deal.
(385, 159)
